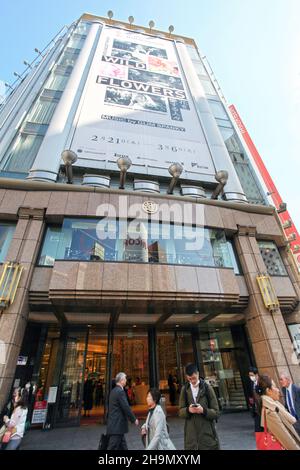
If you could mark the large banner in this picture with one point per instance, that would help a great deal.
(136, 103)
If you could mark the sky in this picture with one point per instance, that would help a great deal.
(253, 47)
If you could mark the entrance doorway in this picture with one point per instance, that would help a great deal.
(131, 355)
(94, 387)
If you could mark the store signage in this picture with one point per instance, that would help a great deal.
(52, 395)
(22, 360)
(39, 412)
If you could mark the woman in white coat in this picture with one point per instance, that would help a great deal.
(15, 425)
(155, 428)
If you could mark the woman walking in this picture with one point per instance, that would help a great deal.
(275, 418)
(15, 425)
(155, 429)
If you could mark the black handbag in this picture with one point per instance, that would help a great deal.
(103, 444)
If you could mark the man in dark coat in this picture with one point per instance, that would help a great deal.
(291, 394)
(119, 412)
(199, 406)
(253, 397)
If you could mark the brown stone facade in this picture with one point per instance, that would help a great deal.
(72, 289)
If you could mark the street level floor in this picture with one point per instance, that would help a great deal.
(236, 432)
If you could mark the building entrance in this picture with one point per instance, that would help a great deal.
(80, 363)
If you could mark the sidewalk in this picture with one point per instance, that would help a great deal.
(236, 432)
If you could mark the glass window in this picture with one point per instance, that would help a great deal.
(218, 109)
(234, 258)
(89, 240)
(193, 52)
(221, 368)
(208, 86)
(199, 67)
(23, 152)
(49, 252)
(272, 258)
(42, 112)
(76, 41)
(230, 138)
(135, 241)
(56, 82)
(6, 234)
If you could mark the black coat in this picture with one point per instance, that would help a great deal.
(119, 412)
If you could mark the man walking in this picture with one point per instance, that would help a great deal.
(199, 407)
(291, 395)
(119, 412)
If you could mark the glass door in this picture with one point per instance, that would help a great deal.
(130, 355)
(94, 387)
(221, 368)
(71, 381)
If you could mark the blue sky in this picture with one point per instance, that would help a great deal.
(253, 47)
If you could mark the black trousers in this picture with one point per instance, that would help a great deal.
(117, 442)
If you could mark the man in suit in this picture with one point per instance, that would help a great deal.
(119, 412)
(291, 394)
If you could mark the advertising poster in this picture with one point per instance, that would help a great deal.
(136, 103)
(39, 412)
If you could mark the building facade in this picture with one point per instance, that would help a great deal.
(150, 259)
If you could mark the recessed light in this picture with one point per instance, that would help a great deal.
(133, 326)
(177, 326)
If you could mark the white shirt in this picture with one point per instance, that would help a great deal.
(18, 420)
(195, 391)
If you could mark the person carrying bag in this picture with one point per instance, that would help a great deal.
(278, 430)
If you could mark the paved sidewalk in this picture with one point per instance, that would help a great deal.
(235, 431)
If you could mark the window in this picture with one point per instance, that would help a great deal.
(231, 140)
(6, 234)
(235, 263)
(49, 252)
(272, 258)
(136, 241)
(193, 52)
(218, 109)
(42, 112)
(56, 82)
(208, 86)
(199, 67)
(21, 156)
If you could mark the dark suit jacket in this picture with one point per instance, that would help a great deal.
(119, 412)
(296, 399)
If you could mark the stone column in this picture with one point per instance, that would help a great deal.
(23, 249)
(272, 347)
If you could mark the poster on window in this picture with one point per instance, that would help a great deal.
(136, 103)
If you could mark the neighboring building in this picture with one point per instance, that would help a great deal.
(287, 223)
(151, 276)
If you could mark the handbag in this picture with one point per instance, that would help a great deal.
(265, 440)
(6, 437)
(103, 444)
(2, 431)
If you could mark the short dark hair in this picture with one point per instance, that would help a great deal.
(191, 369)
(155, 394)
(254, 370)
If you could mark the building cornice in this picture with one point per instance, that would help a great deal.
(26, 185)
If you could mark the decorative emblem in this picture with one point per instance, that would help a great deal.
(150, 207)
